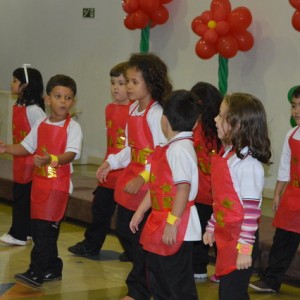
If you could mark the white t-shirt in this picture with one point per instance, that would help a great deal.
(34, 113)
(74, 139)
(285, 160)
(183, 163)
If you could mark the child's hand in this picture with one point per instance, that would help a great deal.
(135, 221)
(103, 171)
(170, 235)
(276, 203)
(2, 147)
(41, 160)
(244, 261)
(133, 185)
(208, 238)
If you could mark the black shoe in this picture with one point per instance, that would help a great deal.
(29, 278)
(124, 258)
(260, 286)
(83, 249)
(50, 276)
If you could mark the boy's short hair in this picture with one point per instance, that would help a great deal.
(119, 69)
(180, 108)
(61, 80)
(296, 92)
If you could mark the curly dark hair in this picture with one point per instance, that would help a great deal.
(154, 72)
(31, 92)
(248, 121)
(209, 101)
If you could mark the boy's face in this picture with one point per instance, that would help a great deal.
(295, 103)
(118, 89)
(60, 100)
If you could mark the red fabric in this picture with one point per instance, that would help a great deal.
(116, 116)
(141, 143)
(228, 212)
(22, 165)
(50, 186)
(288, 214)
(163, 191)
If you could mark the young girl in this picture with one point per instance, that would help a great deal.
(27, 84)
(147, 81)
(206, 143)
(237, 184)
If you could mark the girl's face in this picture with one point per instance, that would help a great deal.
(118, 89)
(222, 126)
(136, 85)
(15, 86)
(295, 103)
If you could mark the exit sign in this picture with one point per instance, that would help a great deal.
(88, 13)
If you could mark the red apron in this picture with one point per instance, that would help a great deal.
(141, 143)
(22, 165)
(162, 191)
(204, 166)
(228, 212)
(287, 216)
(116, 119)
(50, 186)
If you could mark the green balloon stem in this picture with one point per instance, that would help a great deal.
(144, 42)
(223, 74)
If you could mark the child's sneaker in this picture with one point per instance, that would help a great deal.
(29, 278)
(215, 278)
(8, 239)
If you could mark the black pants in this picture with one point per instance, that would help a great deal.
(171, 277)
(283, 250)
(103, 208)
(200, 251)
(20, 227)
(44, 254)
(136, 280)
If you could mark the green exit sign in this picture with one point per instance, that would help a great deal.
(88, 13)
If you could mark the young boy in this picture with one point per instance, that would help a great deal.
(103, 206)
(286, 205)
(173, 222)
(55, 142)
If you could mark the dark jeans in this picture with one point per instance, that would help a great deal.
(103, 208)
(283, 250)
(20, 227)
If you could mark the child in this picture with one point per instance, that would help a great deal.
(237, 183)
(147, 81)
(173, 222)
(206, 143)
(56, 142)
(286, 207)
(103, 206)
(27, 84)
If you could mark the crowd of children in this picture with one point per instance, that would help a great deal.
(184, 167)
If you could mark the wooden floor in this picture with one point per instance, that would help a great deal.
(101, 277)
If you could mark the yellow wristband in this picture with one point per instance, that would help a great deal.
(244, 248)
(146, 175)
(54, 161)
(173, 220)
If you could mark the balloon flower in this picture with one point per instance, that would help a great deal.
(296, 15)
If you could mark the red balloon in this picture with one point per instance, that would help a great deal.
(140, 19)
(222, 28)
(296, 20)
(160, 15)
(295, 4)
(201, 29)
(239, 19)
(223, 5)
(130, 6)
(148, 6)
(227, 46)
(165, 1)
(220, 15)
(196, 22)
(128, 22)
(205, 50)
(245, 40)
(206, 16)
(210, 36)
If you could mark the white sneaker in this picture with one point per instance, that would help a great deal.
(200, 276)
(8, 239)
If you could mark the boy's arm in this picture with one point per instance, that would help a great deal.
(179, 205)
(13, 149)
(280, 186)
